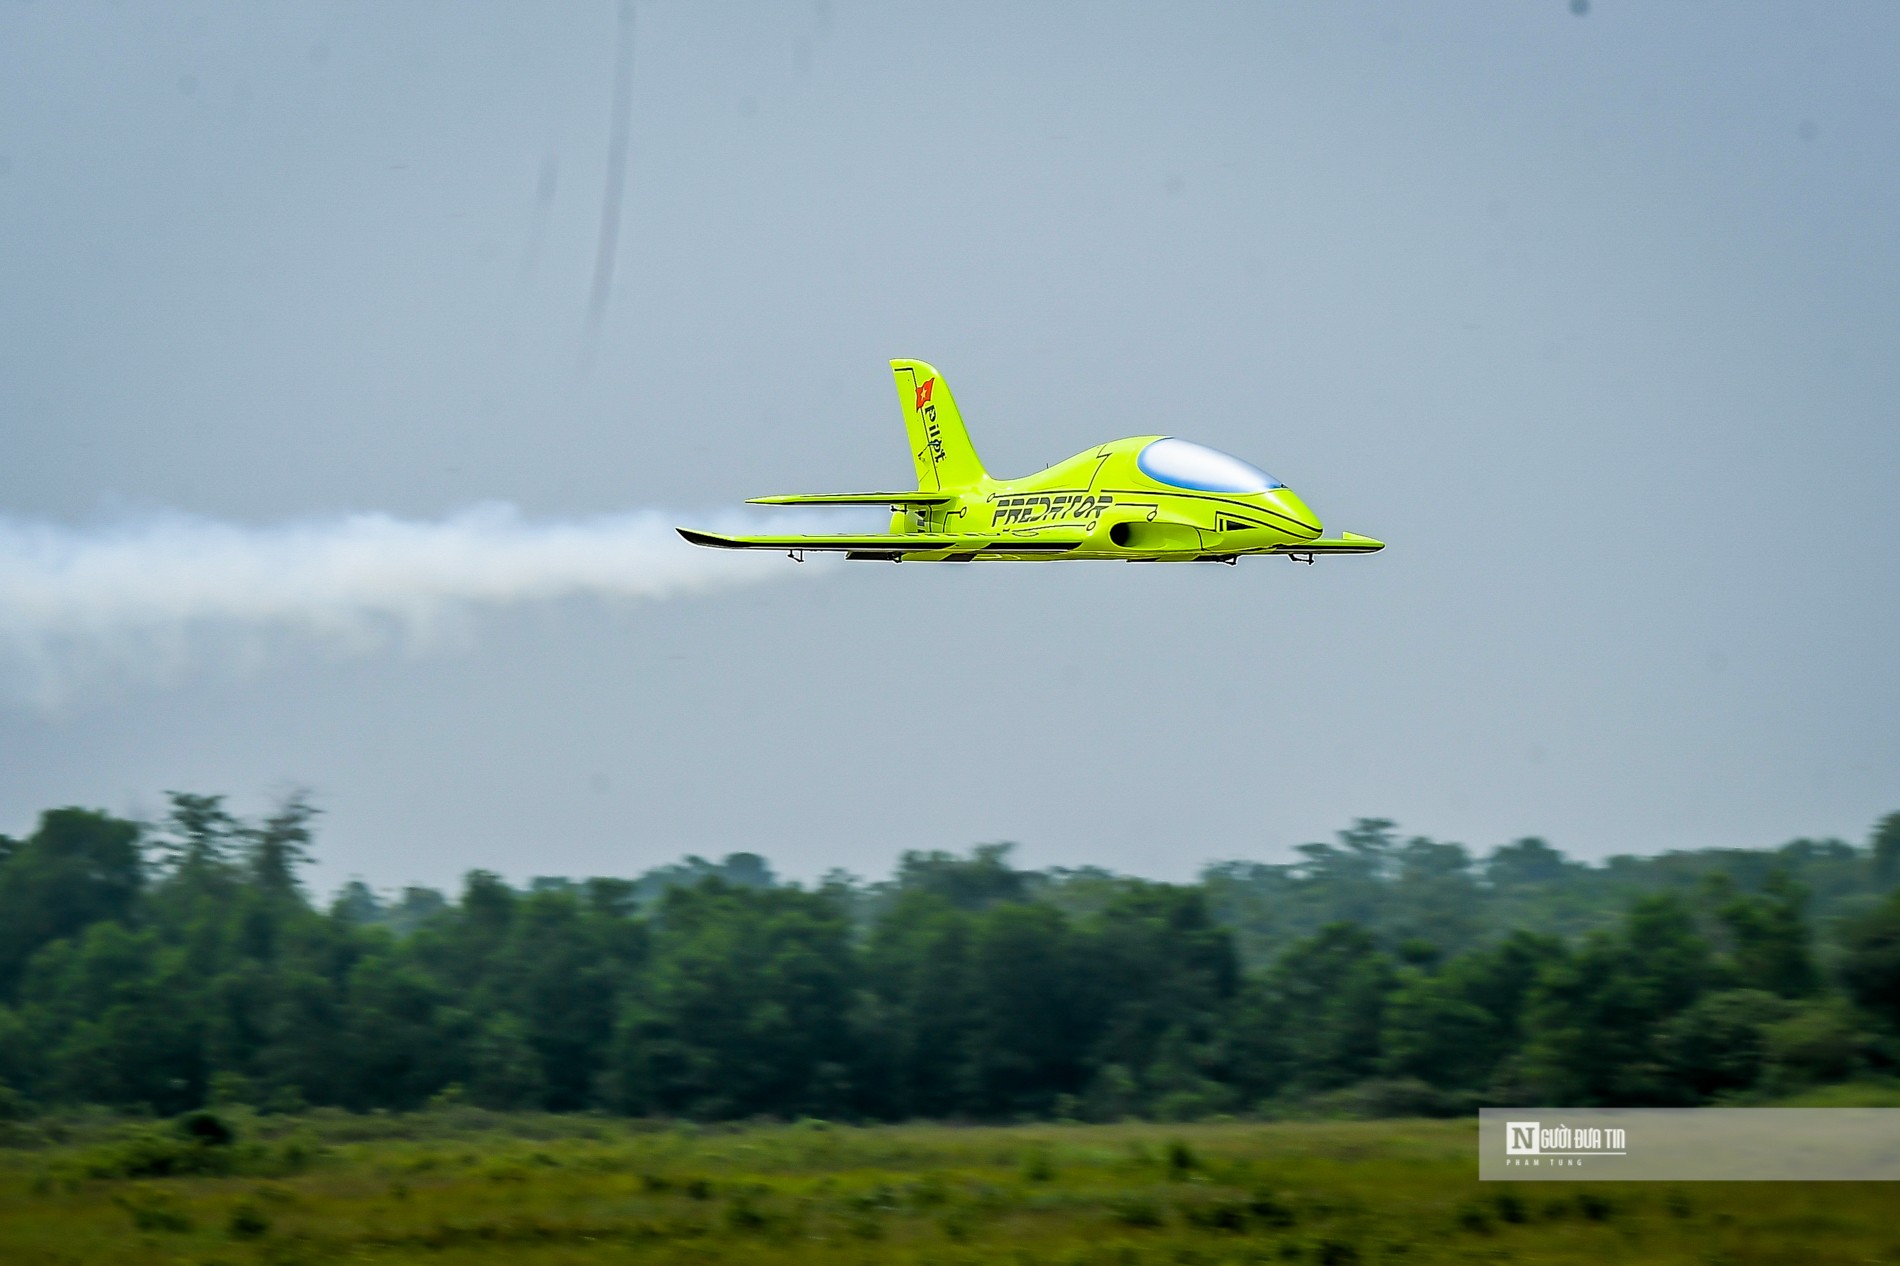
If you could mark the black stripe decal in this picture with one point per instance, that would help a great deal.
(1298, 527)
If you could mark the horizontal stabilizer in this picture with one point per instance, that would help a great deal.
(886, 545)
(857, 541)
(856, 499)
(1344, 543)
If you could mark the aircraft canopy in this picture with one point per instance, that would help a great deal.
(1181, 464)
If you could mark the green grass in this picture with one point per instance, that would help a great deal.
(1847, 1094)
(464, 1186)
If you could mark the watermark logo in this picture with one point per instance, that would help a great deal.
(1561, 1145)
(1572, 1144)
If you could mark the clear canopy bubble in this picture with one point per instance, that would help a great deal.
(1185, 465)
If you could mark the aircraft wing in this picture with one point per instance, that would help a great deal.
(856, 499)
(1344, 543)
(885, 545)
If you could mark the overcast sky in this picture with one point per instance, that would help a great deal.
(1593, 317)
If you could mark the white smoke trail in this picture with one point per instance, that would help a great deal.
(153, 595)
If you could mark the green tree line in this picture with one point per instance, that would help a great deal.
(160, 967)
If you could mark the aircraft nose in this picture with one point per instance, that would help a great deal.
(1297, 518)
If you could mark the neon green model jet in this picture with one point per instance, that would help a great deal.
(1152, 498)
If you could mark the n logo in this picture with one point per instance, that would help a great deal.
(1520, 1138)
(923, 393)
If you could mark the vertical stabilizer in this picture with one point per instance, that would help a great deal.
(938, 443)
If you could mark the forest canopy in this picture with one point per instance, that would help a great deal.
(165, 966)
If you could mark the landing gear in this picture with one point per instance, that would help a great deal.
(796, 555)
(1300, 558)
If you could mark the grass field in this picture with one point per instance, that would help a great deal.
(458, 1185)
